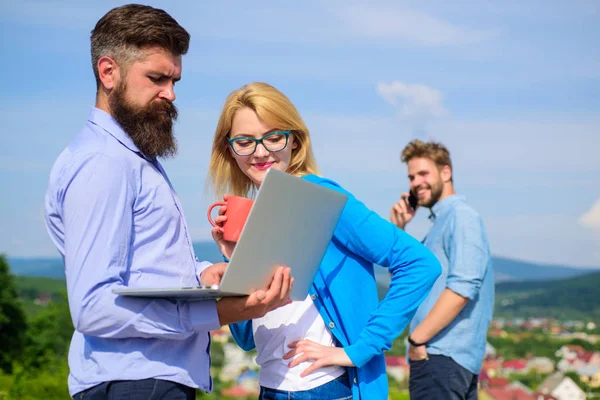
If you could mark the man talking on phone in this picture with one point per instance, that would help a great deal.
(448, 333)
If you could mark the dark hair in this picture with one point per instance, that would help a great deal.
(123, 32)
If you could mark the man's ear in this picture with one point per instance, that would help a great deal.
(108, 72)
(446, 173)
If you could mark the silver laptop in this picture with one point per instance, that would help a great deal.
(291, 223)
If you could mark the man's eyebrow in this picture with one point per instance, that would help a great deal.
(160, 75)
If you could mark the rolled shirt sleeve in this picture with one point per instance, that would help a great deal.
(468, 254)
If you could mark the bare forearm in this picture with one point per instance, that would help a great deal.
(443, 312)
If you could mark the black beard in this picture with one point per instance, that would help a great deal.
(149, 129)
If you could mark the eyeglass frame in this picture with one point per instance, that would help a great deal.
(260, 141)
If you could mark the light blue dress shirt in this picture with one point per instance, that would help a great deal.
(117, 222)
(459, 241)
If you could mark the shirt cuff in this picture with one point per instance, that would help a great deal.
(200, 267)
(359, 353)
(203, 315)
(464, 289)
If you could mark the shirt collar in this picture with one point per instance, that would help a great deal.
(444, 205)
(105, 121)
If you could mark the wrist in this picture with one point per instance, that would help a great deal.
(228, 311)
(415, 343)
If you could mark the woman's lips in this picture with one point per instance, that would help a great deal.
(264, 165)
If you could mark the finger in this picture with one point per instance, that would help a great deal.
(220, 220)
(217, 233)
(256, 298)
(403, 204)
(404, 196)
(307, 356)
(222, 210)
(275, 287)
(300, 359)
(304, 342)
(290, 354)
(285, 285)
(291, 287)
(313, 367)
(305, 353)
(397, 209)
(225, 197)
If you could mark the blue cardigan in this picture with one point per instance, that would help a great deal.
(345, 292)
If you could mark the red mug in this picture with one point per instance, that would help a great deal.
(237, 212)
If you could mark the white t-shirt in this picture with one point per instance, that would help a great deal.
(272, 334)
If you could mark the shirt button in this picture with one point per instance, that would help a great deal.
(354, 380)
(313, 296)
(331, 325)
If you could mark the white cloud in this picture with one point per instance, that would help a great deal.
(414, 100)
(591, 219)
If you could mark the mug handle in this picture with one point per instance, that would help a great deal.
(218, 203)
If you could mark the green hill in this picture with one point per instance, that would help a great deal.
(36, 292)
(574, 298)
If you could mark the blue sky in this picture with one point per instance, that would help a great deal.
(512, 88)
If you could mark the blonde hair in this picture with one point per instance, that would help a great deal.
(275, 109)
(435, 151)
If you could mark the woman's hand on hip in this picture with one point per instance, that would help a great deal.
(321, 356)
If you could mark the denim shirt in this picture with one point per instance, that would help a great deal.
(459, 241)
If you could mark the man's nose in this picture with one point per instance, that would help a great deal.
(415, 183)
(168, 93)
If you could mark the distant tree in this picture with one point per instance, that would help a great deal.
(49, 335)
(217, 355)
(13, 324)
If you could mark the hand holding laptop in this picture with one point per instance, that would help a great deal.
(265, 242)
(213, 274)
(259, 302)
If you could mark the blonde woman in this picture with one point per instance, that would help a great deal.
(329, 346)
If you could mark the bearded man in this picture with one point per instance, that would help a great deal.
(448, 333)
(117, 222)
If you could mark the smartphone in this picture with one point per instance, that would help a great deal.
(413, 201)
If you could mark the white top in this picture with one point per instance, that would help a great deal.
(272, 334)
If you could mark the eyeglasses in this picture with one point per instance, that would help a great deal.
(273, 142)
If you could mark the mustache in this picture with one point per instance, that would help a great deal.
(165, 106)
